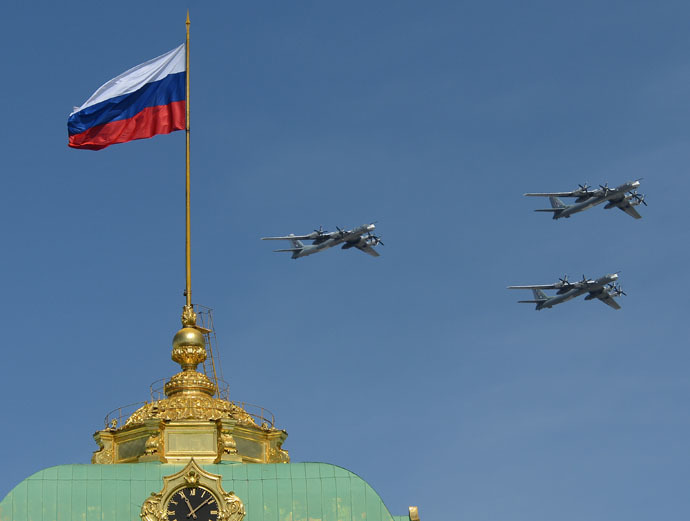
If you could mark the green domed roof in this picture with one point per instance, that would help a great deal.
(270, 492)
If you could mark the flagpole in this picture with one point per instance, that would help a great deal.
(188, 315)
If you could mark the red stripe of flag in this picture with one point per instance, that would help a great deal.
(162, 119)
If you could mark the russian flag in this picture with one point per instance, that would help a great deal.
(146, 100)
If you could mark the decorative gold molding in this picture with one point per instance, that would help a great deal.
(189, 382)
(103, 457)
(106, 452)
(190, 408)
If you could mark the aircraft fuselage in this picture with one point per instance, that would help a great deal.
(598, 197)
(309, 249)
(593, 287)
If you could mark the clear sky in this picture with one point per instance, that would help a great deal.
(417, 370)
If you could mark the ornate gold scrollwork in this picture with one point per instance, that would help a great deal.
(106, 453)
(152, 510)
(190, 408)
(234, 508)
(190, 356)
(103, 456)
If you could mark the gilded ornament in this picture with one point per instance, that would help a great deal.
(103, 457)
(189, 356)
(105, 454)
(228, 444)
(188, 316)
(277, 455)
(152, 444)
(189, 348)
(184, 407)
(235, 508)
(151, 509)
(192, 479)
(414, 513)
(189, 381)
(230, 507)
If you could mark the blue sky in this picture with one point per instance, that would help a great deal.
(417, 370)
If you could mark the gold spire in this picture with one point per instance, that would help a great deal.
(191, 422)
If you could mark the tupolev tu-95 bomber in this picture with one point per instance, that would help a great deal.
(361, 238)
(624, 197)
(604, 289)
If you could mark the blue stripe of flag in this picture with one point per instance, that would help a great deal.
(162, 92)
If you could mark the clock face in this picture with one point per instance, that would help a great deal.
(192, 504)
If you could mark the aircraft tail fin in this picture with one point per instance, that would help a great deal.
(539, 298)
(556, 202)
(539, 295)
(557, 207)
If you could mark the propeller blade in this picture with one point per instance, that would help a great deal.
(374, 240)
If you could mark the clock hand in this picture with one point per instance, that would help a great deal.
(199, 506)
(191, 511)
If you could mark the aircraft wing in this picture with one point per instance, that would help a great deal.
(629, 209)
(368, 249)
(538, 286)
(607, 299)
(554, 194)
(287, 238)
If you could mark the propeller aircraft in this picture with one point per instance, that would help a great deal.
(603, 288)
(624, 197)
(361, 238)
